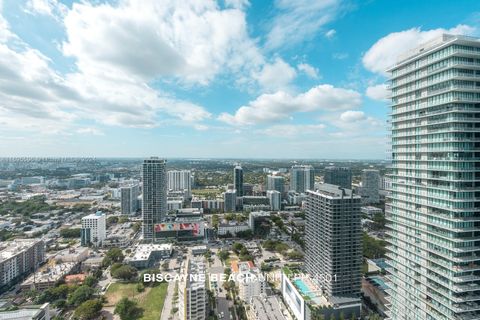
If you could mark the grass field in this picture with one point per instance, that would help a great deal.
(150, 300)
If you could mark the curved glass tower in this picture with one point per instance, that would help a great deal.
(434, 204)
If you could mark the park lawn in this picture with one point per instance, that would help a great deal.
(152, 303)
(150, 300)
(118, 290)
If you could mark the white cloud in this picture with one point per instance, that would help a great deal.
(190, 41)
(330, 33)
(352, 116)
(378, 92)
(51, 8)
(281, 105)
(309, 70)
(90, 131)
(300, 19)
(275, 76)
(293, 130)
(383, 54)
(35, 97)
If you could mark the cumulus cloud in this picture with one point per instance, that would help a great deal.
(275, 76)
(300, 19)
(90, 131)
(378, 92)
(51, 8)
(383, 54)
(309, 70)
(292, 130)
(281, 105)
(351, 116)
(189, 40)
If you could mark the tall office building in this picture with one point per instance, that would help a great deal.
(129, 198)
(433, 208)
(333, 240)
(180, 180)
(230, 200)
(192, 290)
(339, 176)
(154, 204)
(238, 180)
(370, 186)
(302, 178)
(275, 183)
(275, 199)
(94, 229)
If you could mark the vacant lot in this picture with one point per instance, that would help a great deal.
(150, 300)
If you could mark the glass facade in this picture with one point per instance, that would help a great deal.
(433, 208)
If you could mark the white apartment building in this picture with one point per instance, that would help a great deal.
(192, 291)
(94, 229)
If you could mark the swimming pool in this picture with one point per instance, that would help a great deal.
(379, 282)
(303, 288)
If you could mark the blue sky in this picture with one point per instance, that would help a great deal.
(233, 78)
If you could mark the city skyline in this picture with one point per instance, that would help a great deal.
(253, 89)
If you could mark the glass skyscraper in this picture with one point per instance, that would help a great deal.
(434, 206)
(154, 204)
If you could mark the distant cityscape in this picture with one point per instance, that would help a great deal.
(239, 238)
(108, 221)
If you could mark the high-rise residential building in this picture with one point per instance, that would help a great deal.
(230, 200)
(302, 178)
(129, 198)
(238, 180)
(275, 199)
(333, 240)
(154, 204)
(275, 183)
(370, 186)
(248, 189)
(192, 291)
(180, 180)
(433, 207)
(18, 258)
(94, 229)
(339, 176)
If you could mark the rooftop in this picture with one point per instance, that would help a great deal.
(267, 308)
(143, 251)
(333, 191)
(11, 248)
(430, 46)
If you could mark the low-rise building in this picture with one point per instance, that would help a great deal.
(265, 308)
(48, 276)
(145, 255)
(32, 312)
(197, 250)
(232, 228)
(371, 211)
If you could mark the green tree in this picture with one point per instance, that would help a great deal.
(113, 255)
(70, 233)
(223, 255)
(127, 309)
(88, 310)
(80, 295)
(124, 272)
